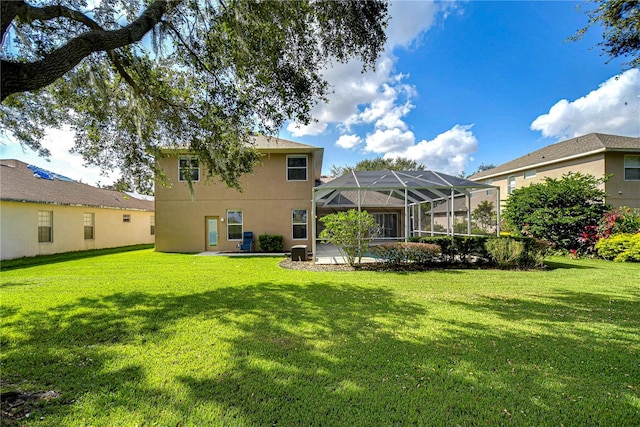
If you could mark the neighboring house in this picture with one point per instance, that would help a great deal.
(45, 213)
(276, 199)
(595, 154)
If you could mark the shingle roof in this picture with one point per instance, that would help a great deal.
(19, 183)
(575, 147)
(263, 142)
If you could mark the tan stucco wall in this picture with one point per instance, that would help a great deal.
(19, 229)
(621, 192)
(267, 203)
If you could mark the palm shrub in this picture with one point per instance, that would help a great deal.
(512, 252)
(351, 232)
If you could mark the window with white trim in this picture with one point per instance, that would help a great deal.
(188, 169)
(152, 224)
(89, 225)
(511, 184)
(45, 226)
(530, 174)
(299, 224)
(234, 225)
(297, 168)
(632, 168)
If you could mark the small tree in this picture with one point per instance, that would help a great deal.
(351, 232)
(557, 210)
(485, 216)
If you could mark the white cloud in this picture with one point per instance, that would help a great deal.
(349, 141)
(448, 152)
(613, 108)
(379, 97)
(386, 140)
(411, 19)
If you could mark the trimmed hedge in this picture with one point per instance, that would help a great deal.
(271, 242)
(459, 247)
(401, 254)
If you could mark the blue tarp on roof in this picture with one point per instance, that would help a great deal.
(45, 174)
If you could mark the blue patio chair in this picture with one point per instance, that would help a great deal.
(247, 242)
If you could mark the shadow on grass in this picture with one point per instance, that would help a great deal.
(13, 264)
(325, 354)
(554, 265)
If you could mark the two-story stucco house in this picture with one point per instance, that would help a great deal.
(276, 199)
(44, 213)
(596, 154)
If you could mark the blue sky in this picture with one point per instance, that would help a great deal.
(459, 84)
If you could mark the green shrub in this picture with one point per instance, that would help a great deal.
(556, 210)
(458, 246)
(351, 232)
(446, 245)
(271, 242)
(466, 246)
(621, 247)
(401, 254)
(510, 252)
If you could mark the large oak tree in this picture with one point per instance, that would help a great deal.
(132, 77)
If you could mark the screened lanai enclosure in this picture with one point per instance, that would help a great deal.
(406, 203)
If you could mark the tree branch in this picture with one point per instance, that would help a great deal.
(22, 77)
(30, 13)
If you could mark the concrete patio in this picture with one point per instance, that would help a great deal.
(326, 254)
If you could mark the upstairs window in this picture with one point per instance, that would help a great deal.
(632, 168)
(89, 223)
(188, 169)
(45, 226)
(489, 191)
(126, 218)
(297, 168)
(511, 184)
(530, 174)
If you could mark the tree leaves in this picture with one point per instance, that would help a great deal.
(212, 74)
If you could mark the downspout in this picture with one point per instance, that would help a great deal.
(468, 196)
(313, 225)
(453, 215)
(433, 222)
(406, 217)
(498, 208)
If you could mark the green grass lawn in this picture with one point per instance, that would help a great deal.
(145, 338)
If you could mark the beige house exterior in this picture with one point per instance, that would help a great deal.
(595, 154)
(276, 199)
(44, 213)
